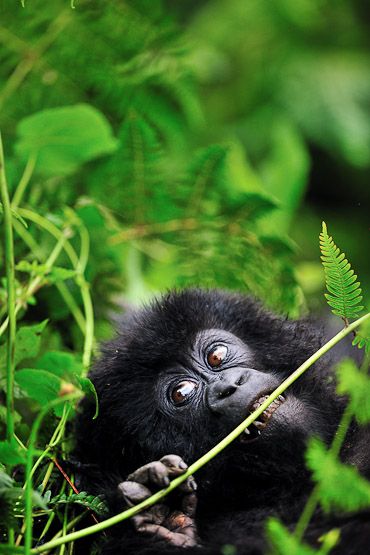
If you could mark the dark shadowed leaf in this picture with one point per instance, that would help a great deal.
(11, 453)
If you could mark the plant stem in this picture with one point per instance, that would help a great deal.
(23, 182)
(10, 286)
(55, 439)
(208, 456)
(29, 464)
(89, 319)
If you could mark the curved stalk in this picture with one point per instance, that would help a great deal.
(24, 181)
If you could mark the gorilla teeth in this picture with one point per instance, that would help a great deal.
(260, 424)
(267, 413)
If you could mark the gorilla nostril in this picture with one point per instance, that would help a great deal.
(227, 391)
(240, 381)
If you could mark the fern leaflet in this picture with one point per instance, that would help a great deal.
(344, 291)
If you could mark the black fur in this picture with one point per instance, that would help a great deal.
(246, 483)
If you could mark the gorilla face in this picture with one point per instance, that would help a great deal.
(220, 379)
(188, 369)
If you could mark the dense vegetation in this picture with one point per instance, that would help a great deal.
(149, 145)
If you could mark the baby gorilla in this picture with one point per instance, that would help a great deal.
(179, 376)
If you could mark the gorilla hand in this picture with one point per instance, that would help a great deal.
(176, 526)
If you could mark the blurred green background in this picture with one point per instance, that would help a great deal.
(198, 142)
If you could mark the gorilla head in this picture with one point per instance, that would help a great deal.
(183, 372)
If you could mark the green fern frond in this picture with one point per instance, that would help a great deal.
(362, 342)
(344, 294)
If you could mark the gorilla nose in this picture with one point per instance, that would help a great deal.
(227, 384)
(236, 388)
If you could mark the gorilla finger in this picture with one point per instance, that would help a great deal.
(155, 472)
(158, 474)
(175, 465)
(133, 492)
(189, 486)
(173, 538)
(155, 515)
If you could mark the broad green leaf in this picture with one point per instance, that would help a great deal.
(64, 138)
(61, 364)
(354, 383)
(11, 453)
(40, 385)
(27, 343)
(340, 486)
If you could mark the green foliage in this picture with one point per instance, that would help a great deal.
(340, 486)
(283, 542)
(11, 454)
(52, 275)
(362, 342)
(28, 341)
(40, 385)
(362, 338)
(344, 291)
(356, 385)
(94, 503)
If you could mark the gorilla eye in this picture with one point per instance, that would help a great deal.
(216, 356)
(183, 392)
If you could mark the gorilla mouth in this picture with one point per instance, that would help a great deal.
(255, 429)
